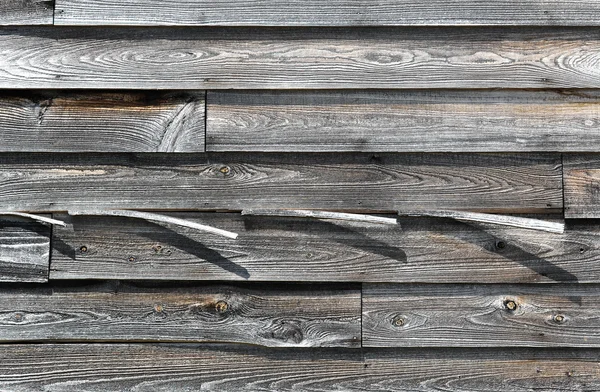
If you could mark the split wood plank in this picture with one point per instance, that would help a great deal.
(582, 185)
(481, 316)
(403, 121)
(278, 317)
(178, 368)
(330, 13)
(26, 12)
(24, 250)
(237, 181)
(102, 122)
(287, 249)
(288, 58)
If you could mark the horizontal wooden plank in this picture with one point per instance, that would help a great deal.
(24, 250)
(26, 12)
(406, 121)
(429, 250)
(332, 13)
(278, 317)
(582, 185)
(287, 58)
(102, 122)
(147, 368)
(237, 181)
(481, 316)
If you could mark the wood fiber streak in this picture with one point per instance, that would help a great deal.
(287, 58)
(102, 122)
(145, 368)
(582, 186)
(481, 316)
(295, 249)
(367, 182)
(26, 12)
(309, 317)
(24, 250)
(403, 121)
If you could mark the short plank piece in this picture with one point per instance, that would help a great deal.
(286, 58)
(481, 316)
(182, 368)
(287, 249)
(330, 13)
(278, 317)
(26, 12)
(582, 186)
(24, 250)
(237, 181)
(403, 121)
(102, 122)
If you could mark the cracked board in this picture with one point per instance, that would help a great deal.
(102, 122)
(24, 250)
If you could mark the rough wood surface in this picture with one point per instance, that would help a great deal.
(582, 186)
(327, 215)
(296, 249)
(332, 181)
(24, 250)
(102, 122)
(278, 317)
(287, 58)
(26, 12)
(179, 368)
(480, 316)
(408, 121)
(330, 13)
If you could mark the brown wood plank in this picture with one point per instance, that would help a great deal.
(481, 316)
(582, 185)
(102, 122)
(268, 316)
(405, 121)
(26, 12)
(176, 368)
(24, 250)
(237, 181)
(288, 58)
(429, 250)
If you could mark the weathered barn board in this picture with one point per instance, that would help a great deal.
(413, 120)
(26, 12)
(24, 250)
(295, 249)
(102, 122)
(287, 58)
(145, 368)
(278, 317)
(382, 182)
(480, 316)
(582, 186)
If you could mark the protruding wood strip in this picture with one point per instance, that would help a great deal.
(288, 58)
(323, 215)
(481, 316)
(278, 317)
(582, 186)
(329, 181)
(405, 121)
(331, 13)
(179, 368)
(37, 218)
(24, 250)
(26, 12)
(296, 249)
(102, 122)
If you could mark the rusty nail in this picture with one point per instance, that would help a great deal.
(221, 306)
(158, 308)
(224, 170)
(83, 249)
(157, 248)
(559, 318)
(398, 321)
(18, 316)
(131, 259)
(510, 305)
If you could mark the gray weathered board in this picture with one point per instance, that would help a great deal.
(26, 12)
(582, 186)
(406, 121)
(329, 13)
(480, 316)
(179, 368)
(102, 122)
(279, 317)
(236, 181)
(24, 250)
(295, 249)
(288, 58)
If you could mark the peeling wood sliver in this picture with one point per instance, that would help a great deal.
(321, 215)
(38, 218)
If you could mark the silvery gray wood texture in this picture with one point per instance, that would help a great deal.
(582, 186)
(24, 250)
(26, 12)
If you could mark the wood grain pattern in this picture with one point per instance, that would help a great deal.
(145, 368)
(406, 121)
(24, 250)
(429, 250)
(331, 13)
(287, 58)
(102, 122)
(383, 182)
(26, 12)
(480, 316)
(582, 186)
(299, 317)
